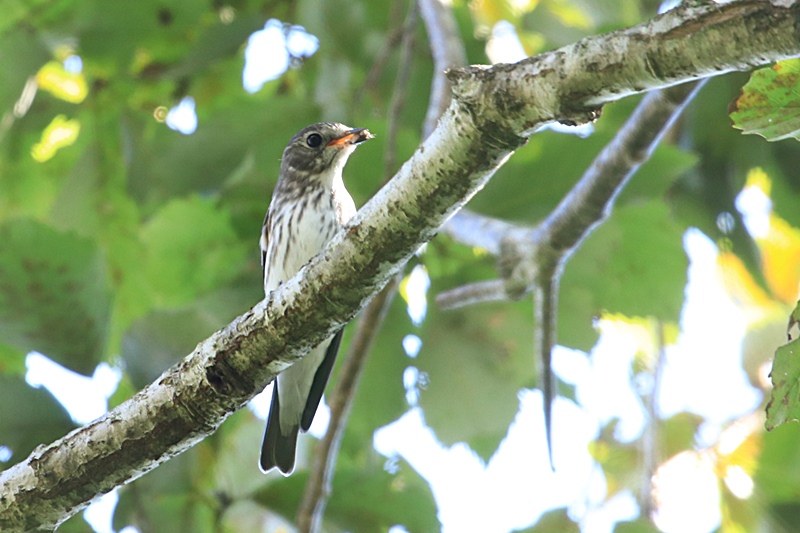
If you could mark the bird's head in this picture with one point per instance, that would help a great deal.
(321, 149)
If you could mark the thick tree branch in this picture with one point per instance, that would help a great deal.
(493, 110)
(684, 44)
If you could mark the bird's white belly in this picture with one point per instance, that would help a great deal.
(310, 232)
(304, 236)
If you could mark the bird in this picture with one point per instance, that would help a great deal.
(309, 205)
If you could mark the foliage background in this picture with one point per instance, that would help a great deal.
(123, 241)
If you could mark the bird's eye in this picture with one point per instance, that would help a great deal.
(314, 140)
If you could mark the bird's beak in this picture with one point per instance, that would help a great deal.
(355, 136)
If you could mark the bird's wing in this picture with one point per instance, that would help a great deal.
(320, 380)
(277, 449)
(264, 243)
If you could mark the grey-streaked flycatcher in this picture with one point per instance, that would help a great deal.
(309, 205)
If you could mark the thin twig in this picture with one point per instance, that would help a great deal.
(447, 50)
(478, 230)
(649, 444)
(400, 90)
(480, 292)
(590, 203)
(318, 487)
(389, 45)
(545, 312)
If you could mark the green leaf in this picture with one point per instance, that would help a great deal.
(246, 516)
(794, 318)
(475, 361)
(539, 175)
(556, 521)
(53, 294)
(784, 403)
(23, 53)
(162, 338)
(76, 524)
(381, 396)
(374, 500)
(654, 178)
(164, 32)
(770, 102)
(236, 472)
(641, 525)
(783, 513)
(190, 248)
(363, 499)
(31, 417)
(94, 202)
(633, 264)
(171, 497)
(778, 473)
(167, 164)
(678, 433)
(12, 360)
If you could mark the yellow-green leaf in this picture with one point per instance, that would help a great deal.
(770, 102)
(784, 404)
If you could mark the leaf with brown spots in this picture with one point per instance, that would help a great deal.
(53, 294)
(769, 104)
(784, 403)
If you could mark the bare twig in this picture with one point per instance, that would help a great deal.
(493, 290)
(318, 487)
(395, 34)
(545, 313)
(447, 51)
(478, 230)
(400, 86)
(649, 443)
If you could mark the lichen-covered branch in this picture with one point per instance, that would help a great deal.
(690, 42)
(492, 112)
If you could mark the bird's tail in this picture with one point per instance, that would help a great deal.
(278, 449)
